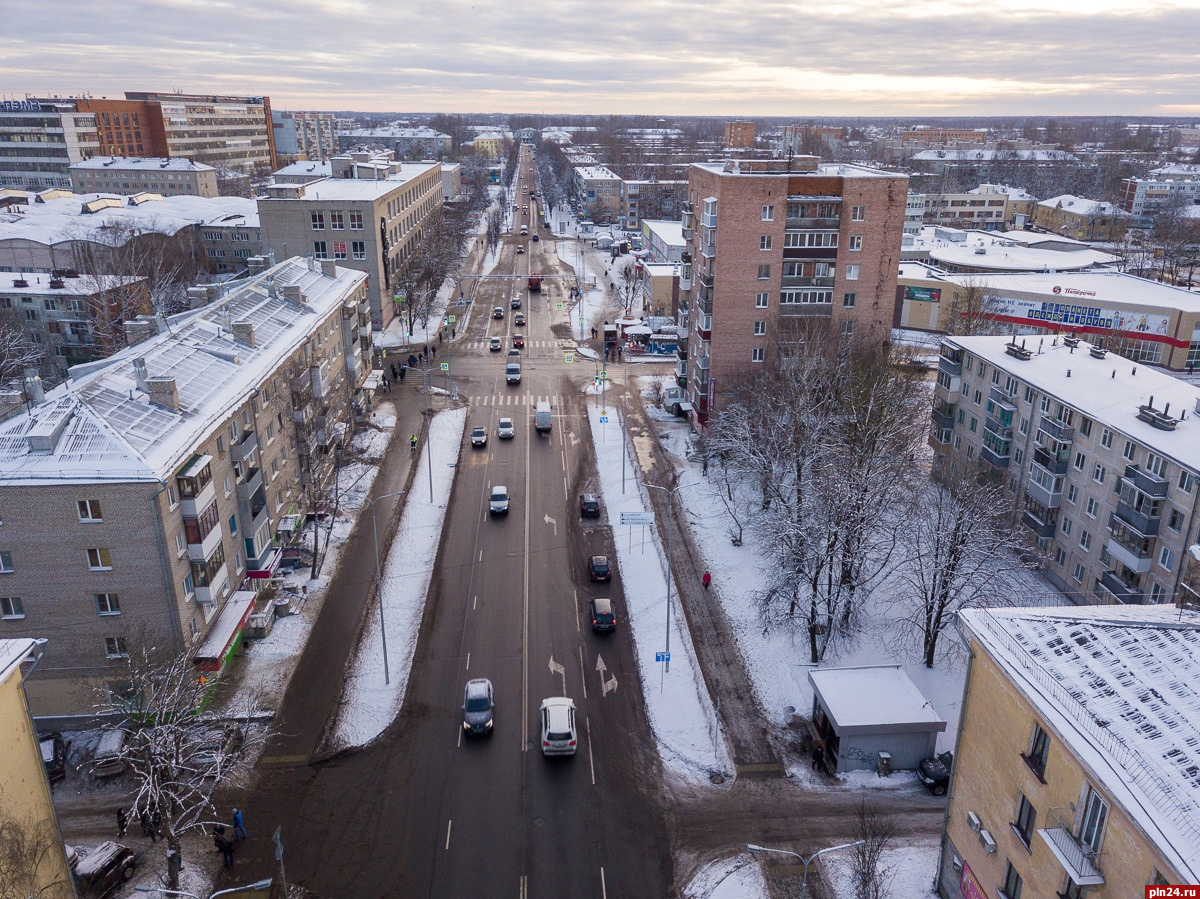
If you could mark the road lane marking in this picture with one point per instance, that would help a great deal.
(583, 669)
(474, 601)
(481, 555)
(460, 730)
(591, 757)
(603, 887)
(575, 592)
(524, 893)
(566, 495)
(448, 825)
(525, 609)
(468, 661)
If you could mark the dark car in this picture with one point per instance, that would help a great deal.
(518, 341)
(479, 436)
(589, 505)
(54, 755)
(498, 312)
(935, 773)
(515, 303)
(478, 706)
(535, 237)
(598, 568)
(104, 869)
(603, 616)
(519, 319)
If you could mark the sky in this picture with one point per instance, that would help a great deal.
(646, 57)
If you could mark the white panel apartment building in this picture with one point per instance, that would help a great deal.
(141, 495)
(1102, 454)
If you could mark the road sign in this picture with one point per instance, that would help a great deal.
(603, 373)
(452, 318)
(662, 657)
(636, 518)
(558, 306)
(444, 366)
(603, 419)
(569, 358)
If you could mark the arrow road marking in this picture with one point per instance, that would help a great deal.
(556, 668)
(606, 686)
(574, 439)
(551, 521)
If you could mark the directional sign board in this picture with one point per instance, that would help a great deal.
(662, 657)
(603, 419)
(636, 518)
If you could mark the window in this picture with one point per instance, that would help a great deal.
(1185, 481)
(1018, 458)
(760, 328)
(1039, 752)
(846, 329)
(1130, 451)
(339, 249)
(768, 213)
(6, 562)
(1045, 405)
(318, 221)
(764, 272)
(758, 354)
(10, 607)
(1060, 556)
(857, 213)
(1077, 573)
(358, 249)
(978, 398)
(1085, 427)
(99, 560)
(1085, 541)
(1166, 558)
(760, 301)
(1029, 394)
(1106, 438)
(1099, 473)
(1092, 507)
(1066, 526)
(1175, 520)
(849, 300)
(1091, 825)
(1080, 461)
(1012, 883)
(974, 424)
(1024, 428)
(764, 242)
(227, 485)
(1157, 465)
(89, 510)
(855, 243)
(320, 249)
(1158, 593)
(1026, 818)
(114, 648)
(356, 221)
(180, 544)
(1072, 493)
(852, 273)
(233, 525)
(337, 221)
(107, 604)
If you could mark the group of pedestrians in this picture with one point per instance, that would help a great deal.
(149, 819)
(223, 843)
(151, 822)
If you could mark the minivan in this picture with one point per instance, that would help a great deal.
(512, 373)
(109, 758)
(541, 417)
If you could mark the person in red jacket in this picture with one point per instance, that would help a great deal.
(706, 580)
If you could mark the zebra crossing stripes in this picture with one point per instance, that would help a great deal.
(512, 399)
(529, 344)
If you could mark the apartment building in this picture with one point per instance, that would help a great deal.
(368, 224)
(1080, 218)
(795, 140)
(1102, 455)
(1074, 774)
(650, 198)
(595, 184)
(1145, 198)
(739, 135)
(304, 135)
(128, 175)
(40, 140)
(801, 244)
(926, 135)
(966, 210)
(664, 240)
(231, 239)
(406, 143)
(161, 479)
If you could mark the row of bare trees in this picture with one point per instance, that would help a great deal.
(819, 456)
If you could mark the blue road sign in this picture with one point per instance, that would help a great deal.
(603, 419)
(662, 657)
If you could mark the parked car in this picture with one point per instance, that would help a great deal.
(498, 312)
(519, 319)
(604, 618)
(478, 706)
(935, 773)
(104, 869)
(558, 726)
(495, 344)
(505, 429)
(54, 755)
(498, 501)
(109, 758)
(598, 568)
(518, 340)
(479, 436)
(589, 505)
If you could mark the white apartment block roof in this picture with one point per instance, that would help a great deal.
(996, 252)
(1178, 169)
(421, 132)
(1013, 193)
(1120, 685)
(37, 284)
(344, 189)
(824, 169)
(1109, 390)
(1082, 205)
(596, 173)
(101, 426)
(670, 233)
(990, 155)
(62, 219)
(138, 163)
(307, 168)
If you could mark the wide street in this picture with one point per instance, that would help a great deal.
(426, 811)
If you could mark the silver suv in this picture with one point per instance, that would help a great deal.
(478, 706)
(558, 726)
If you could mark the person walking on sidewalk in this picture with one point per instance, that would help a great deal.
(147, 828)
(818, 758)
(706, 580)
(122, 822)
(239, 825)
(224, 845)
(412, 443)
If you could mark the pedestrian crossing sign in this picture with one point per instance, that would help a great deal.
(558, 306)
(603, 373)
(569, 358)
(444, 366)
(452, 318)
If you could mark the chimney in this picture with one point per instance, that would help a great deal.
(33, 387)
(256, 265)
(292, 293)
(139, 374)
(329, 268)
(243, 332)
(138, 331)
(163, 393)
(197, 297)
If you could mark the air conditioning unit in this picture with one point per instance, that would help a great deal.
(989, 844)
(974, 823)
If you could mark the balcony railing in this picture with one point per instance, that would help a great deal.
(1051, 499)
(993, 458)
(243, 448)
(799, 281)
(1040, 528)
(1139, 521)
(1148, 483)
(1060, 432)
(949, 366)
(1002, 431)
(1081, 861)
(794, 223)
(1119, 590)
(1056, 463)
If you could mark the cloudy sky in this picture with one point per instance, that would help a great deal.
(721, 58)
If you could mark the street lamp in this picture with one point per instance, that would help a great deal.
(670, 515)
(379, 579)
(804, 884)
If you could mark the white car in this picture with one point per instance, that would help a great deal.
(505, 430)
(498, 501)
(559, 736)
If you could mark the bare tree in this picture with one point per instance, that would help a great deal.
(876, 829)
(973, 309)
(437, 255)
(18, 350)
(30, 851)
(629, 287)
(176, 754)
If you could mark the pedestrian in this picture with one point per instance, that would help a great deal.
(618, 352)
(706, 580)
(239, 825)
(818, 758)
(122, 822)
(412, 443)
(433, 351)
(412, 360)
(224, 845)
(403, 372)
(453, 331)
(395, 373)
(156, 822)
(386, 384)
(147, 828)
(439, 336)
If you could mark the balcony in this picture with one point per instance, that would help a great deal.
(943, 414)
(1000, 429)
(993, 458)
(800, 281)
(939, 438)
(1134, 550)
(949, 366)
(1079, 860)
(806, 310)
(796, 223)
(704, 298)
(1143, 523)
(1055, 463)
(246, 447)
(198, 552)
(1051, 498)
(1111, 586)
(1040, 528)
(1148, 483)
(708, 247)
(1057, 430)
(216, 588)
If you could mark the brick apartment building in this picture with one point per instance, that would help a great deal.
(160, 480)
(739, 135)
(1081, 218)
(800, 244)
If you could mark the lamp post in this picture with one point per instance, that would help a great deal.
(379, 579)
(670, 492)
(804, 884)
(427, 384)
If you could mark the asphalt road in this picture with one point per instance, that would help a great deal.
(427, 812)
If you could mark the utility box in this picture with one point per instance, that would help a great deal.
(883, 764)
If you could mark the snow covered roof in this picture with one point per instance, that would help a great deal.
(422, 132)
(988, 155)
(39, 284)
(996, 252)
(873, 698)
(1188, 170)
(13, 653)
(59, 219)
(156, 164)
(596, 173)
(307, 168)
(670, 233)
(106, 427)
(1013, 193)
(359, 188)
(1119, 686)
(1108, 390)
(1081, 205)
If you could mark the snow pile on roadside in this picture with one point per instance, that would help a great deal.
(682, 717)
(368, 705)
(739, 877)
(910, 871)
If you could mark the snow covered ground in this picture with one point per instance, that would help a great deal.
(682, 717)
(368, 704)
(738, 877)
(909, 868)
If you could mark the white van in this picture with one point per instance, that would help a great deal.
(512, 373)
(541, 417)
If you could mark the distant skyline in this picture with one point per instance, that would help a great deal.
(661, 57)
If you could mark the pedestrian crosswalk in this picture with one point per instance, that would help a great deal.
(513, 399)
(529, 344)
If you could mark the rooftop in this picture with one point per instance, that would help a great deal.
(338, 189)
(670, 233)
(871, 697)
(997, 252)
(1081, 205)
(174, 164)
(1120, 686)
(422, 131)
(988, 155)
(596, 173)
(1108, 390)
(13, 653)
(38, 284)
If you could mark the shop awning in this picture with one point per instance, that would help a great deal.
(222, 637)
(269, 567)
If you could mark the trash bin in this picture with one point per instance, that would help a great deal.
(883, 765)
(283, 607)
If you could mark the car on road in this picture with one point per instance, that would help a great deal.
(934, 772)
(498, 312)
(514, 354)
(589, 505)
(520, 248)
(519, 341)
(495, 344)
(535, 237)
(505, 429)
(525, 208)
(519, 318)
(598, 568)
(604, 618)
(478, 436)
(559, 736)
(54, 755)
(478, 706)
(512, 371)
(515, 302)
(104, 869)
(498, 501)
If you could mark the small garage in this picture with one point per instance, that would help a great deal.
(861, 712)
